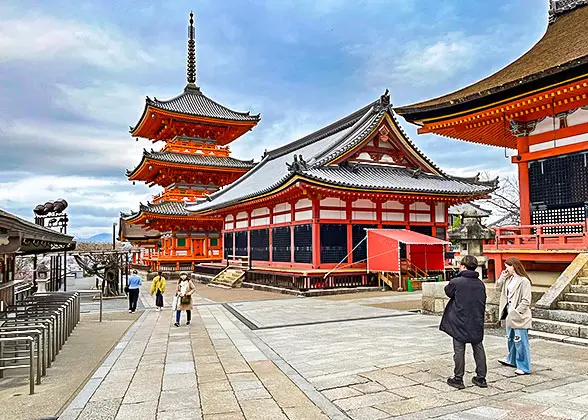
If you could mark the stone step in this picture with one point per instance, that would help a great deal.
(558, 337)
(576, 297)
(230, 277)
(583, 280)
(573, 306)
(577, 288)
(561, 315)
(558, 327)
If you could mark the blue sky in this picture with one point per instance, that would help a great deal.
(74, 76)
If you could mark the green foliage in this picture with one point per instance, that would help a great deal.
(456, 223)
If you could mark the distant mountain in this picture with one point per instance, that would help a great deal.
(100, 238)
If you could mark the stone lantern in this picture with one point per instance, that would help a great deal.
(471, 235)
(42, 278)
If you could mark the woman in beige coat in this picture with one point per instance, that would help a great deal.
(515, 308)
(184, 292)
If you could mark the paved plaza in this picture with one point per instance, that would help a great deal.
(312, 358)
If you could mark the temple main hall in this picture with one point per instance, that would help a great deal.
(299, 217)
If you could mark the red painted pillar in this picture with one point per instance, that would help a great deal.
(379, 216)
(271, 241)
(498, 266)
(249, 236)
(316, 234)
(525, 199)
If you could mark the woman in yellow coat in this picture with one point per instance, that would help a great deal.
(158, 287)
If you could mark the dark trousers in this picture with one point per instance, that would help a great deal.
(159, 299)
(188, 316)
(133, 298)
(459, 359)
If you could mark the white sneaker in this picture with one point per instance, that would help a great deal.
(130, 311)
(158, 309)
(520, 372)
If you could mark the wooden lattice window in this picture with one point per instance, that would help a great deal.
(281, 244)
(303, 243)
(259, 244)
(333, 243)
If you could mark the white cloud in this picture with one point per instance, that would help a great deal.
(94, 203)
(40, 39)
(91, 146)
(110, 102)
(423, 62)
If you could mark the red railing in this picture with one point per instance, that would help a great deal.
(545, 237)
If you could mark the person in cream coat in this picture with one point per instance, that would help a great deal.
(515, 309)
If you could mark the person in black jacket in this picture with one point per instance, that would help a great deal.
(463, 320)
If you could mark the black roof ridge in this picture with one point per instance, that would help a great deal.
(329, 130)
(314, 161)
(559, 7)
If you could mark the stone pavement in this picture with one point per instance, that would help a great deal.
(310, 358)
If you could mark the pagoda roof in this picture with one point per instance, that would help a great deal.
(193, 160)
(193, 102)
(164, 208)
(559, 56)
(326, 145)
(133, 232)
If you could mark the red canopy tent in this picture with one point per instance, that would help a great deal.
(423, 251)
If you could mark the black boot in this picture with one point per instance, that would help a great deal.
(456, 383)
(481, 382)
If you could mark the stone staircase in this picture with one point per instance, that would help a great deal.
(229, 277)
(564, 317)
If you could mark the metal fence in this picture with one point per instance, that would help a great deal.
(34, 330)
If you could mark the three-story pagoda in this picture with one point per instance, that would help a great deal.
(194, 162)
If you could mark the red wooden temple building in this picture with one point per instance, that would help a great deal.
(194, 162)
(537, 106)
(301, 213)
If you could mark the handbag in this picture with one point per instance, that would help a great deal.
(175, 303)
(186, 300)
(127, 289)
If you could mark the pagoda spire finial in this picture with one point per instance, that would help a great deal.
(191, 68)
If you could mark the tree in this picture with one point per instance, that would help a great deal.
(106, 265)
(23, 268)
(505, 202)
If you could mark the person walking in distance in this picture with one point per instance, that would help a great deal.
(515, 308)
(184, 294)
(463, 320)
(158, 288)
(134, 283)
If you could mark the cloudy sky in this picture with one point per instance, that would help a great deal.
(74, 76)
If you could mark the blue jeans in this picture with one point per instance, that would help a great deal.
(188, 316)
(519, 353)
